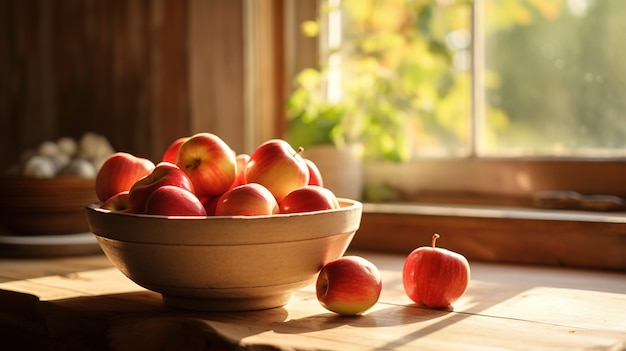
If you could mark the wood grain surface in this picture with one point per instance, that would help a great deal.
(86, 304)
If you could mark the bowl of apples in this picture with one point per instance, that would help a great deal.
(213, 231)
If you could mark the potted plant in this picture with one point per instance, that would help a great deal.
(339, 133)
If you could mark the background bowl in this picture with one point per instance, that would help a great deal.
(225, 263)
(31, 206)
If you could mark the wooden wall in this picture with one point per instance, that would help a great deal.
(140, 72)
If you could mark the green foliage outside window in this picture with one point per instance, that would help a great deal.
(556, 77)
(400, 90)
(554, 80)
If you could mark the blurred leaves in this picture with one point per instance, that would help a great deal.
(405, 86)
(396, 69)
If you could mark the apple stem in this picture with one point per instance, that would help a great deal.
(435, 237)
(299, 151)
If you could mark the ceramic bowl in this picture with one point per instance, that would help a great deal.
(225, 263)
(55, 206)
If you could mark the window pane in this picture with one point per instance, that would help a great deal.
(554, 78)
(406, 64)
(397, 78)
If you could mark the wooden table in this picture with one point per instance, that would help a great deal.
(84, 303)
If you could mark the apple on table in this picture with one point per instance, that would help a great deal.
(349, 285)
(435, 277)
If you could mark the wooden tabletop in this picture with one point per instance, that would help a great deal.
(85, 303)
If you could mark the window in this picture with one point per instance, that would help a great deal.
(541, 104)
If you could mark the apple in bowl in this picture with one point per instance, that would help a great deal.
(250, 199)
(119, 172)
(170, 200)
(278, 167)
(171, 153)
(209, 163)
(163, 174)
(308, 198)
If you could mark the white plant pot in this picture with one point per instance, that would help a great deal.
(341, 169)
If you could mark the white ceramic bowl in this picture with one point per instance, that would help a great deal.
(225, 263)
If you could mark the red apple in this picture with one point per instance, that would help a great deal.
(349, 285)
(435, 277)
(209, 162)
(164, 173)
(171, 153)
(117, 202)
(278, 167)
(250, 199)
(119, 172)
(242, 161)
(308, 198)
(315, 176)
(170, 200)
(209, 204)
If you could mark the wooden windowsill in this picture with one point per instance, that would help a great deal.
(499, 234)
(496, 212)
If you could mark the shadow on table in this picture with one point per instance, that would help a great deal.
(127, 321)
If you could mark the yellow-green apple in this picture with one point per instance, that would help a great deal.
(242, 161)
(278, 167)
(308, 198)
(164, 173)
(119, 172)
(171, 153)
(315, 176)
(117, 202)
(251, 199)
(209, 162)
(435, 277)
(348, 285)
(170, 200)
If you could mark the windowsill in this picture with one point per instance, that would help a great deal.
(495, 212)
(499, 234)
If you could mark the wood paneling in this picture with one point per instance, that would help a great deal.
(140, 72)
(264, 66)
(216, 75)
